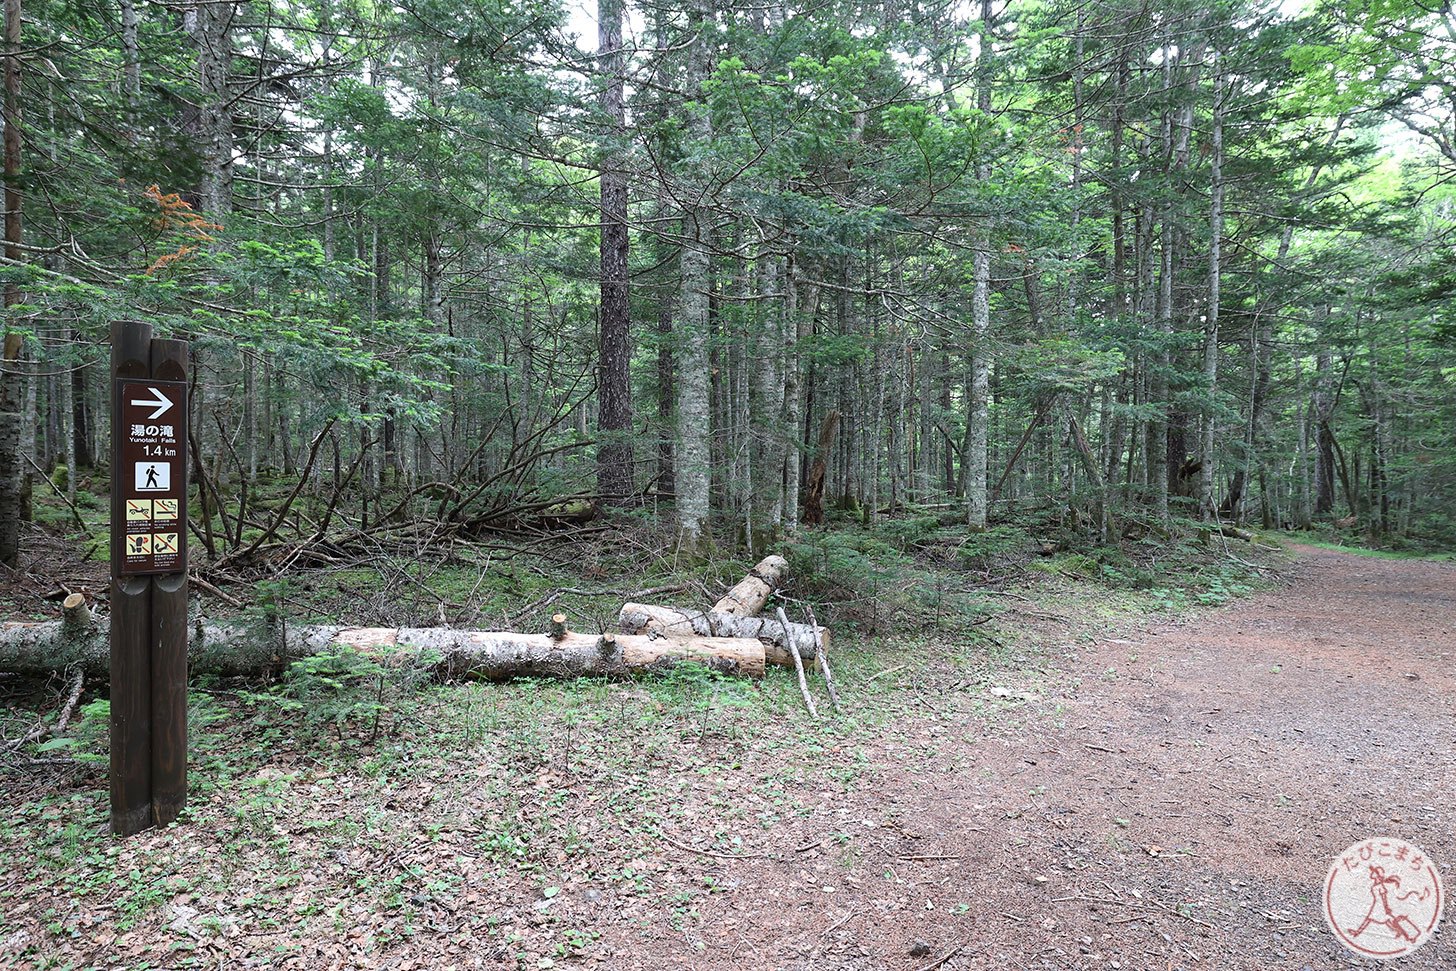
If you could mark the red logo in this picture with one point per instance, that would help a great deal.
(1383, 897)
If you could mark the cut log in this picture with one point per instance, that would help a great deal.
(76, 619)
(636, 618)
(252, 650)
(1235, 532)
(750, 594)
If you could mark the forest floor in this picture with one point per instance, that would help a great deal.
(1091, 781)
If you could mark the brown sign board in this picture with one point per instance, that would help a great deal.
(151, 423)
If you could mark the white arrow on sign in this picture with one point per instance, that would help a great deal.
(162, 402)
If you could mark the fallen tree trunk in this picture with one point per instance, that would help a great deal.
(636, 618)
(750, 594)
(253, 650)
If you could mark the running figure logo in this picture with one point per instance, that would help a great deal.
(1383, 898)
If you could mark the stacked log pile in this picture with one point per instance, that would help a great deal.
(733, 616)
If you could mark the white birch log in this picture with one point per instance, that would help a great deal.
(250, 650)
(750, 594)
(635, 618)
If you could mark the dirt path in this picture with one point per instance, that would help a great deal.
(1178, 807)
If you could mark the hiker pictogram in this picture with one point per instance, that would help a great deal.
(153, 476)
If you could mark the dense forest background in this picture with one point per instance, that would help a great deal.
(462, 266)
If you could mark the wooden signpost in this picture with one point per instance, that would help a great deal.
(148, 578)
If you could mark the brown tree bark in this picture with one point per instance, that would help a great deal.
(1324, 474)
(814, 490)
(1207, 506)
(12, 377)
(692, 458)
(614, 353)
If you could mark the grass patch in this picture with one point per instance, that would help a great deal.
(1378, 553)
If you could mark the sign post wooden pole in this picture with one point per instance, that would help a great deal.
(131, 613)
(169, 611)
(148, 578)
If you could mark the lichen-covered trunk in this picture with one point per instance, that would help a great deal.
(767, 407)
(131, 61)
(978, 407)
(1206, 502)
(978, 397)
(691, 466)
(1324, 453)
(796, 326)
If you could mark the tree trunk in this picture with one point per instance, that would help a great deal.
(666, 389)
(978, 398)
(691, 465)
(737, 415)
(748, 595)
(1324, 454)
(131, 67)
(614, 353)
(251, 650)
(67, 417)
(1206, 502)
(81, 416)
(1302, 513)
(212, 33)
(12, 374)
(814, 490)
(769, 387)
(797, 324)
(636, 618)
(1092, 468)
